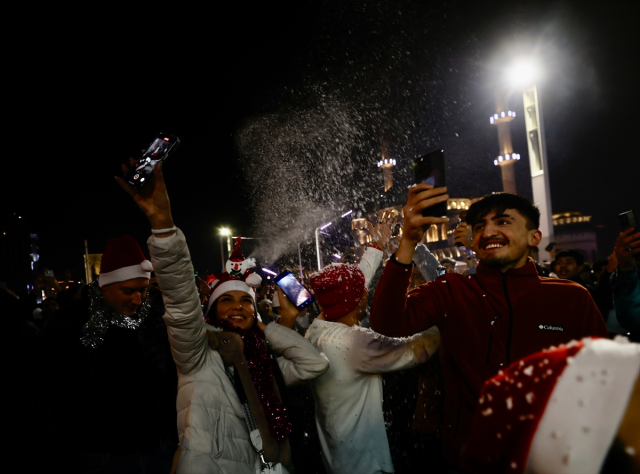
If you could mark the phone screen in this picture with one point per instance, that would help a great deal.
(159, 150)
(291, 287)
(430, 169)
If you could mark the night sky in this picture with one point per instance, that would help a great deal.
(263, 97)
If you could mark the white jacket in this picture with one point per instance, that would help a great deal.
(349, 395)
(211, 426)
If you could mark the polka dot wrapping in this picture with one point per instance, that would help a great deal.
(509, 410)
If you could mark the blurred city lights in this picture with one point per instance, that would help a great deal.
(266, 270)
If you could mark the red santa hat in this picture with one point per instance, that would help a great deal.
(238, 277)
(556, 411)
(123, 260)
(338, 289)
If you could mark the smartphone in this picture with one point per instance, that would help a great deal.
(549, 247)
(462, 215)
(628, 220)
(159, 150)
(294, 290)
(430, 169)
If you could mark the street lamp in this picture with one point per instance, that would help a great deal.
(224, 232)
(523, 75)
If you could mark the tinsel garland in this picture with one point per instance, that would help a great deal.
(261, 370)
(103, 315)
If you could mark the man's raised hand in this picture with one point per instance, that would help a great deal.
(152, 198)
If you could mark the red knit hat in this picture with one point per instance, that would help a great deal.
(554, 411)
(338, 288)
(123, 260)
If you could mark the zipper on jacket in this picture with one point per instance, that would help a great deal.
(506, 297)
(493, 329)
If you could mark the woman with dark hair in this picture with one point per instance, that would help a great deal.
(230, 417)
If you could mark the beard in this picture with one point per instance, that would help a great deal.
(503, 260)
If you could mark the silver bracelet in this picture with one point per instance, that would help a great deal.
(163, 231)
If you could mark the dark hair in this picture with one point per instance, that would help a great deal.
(499, 202)
(577, 256)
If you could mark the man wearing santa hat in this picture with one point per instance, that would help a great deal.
(109, 381)
(502, 313)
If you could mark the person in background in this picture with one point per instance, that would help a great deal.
(108, 379)
(625, 282)
(569, 265)
(449, 264)
(504, 312)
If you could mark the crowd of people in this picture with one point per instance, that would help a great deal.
(401, 364)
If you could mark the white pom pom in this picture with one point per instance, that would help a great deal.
(253, 280)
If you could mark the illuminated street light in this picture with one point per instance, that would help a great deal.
(524, 75)
(224, 232)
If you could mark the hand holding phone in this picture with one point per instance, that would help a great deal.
(159, 150)
(628, 220)
(430, 169)
(293, 289)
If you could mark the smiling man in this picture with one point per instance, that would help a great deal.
(504, 312)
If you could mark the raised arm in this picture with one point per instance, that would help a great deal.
(172, 265)
(392, 312)
(298, 360)
(373, 353)
(625, 282)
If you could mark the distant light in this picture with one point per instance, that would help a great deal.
(495, 162)
(225, 231)
(495, 116)
(325, 226)
(268, 271)
(502, 114)
(507, 156)
(490, 119)
(141, 180)
(19, 217)
(346, 213)
(324, 233)
(268, 277)
(337, 255)
(500, 158)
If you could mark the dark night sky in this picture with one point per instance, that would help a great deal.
(85, 90)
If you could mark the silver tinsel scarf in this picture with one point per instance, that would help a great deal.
(103, 315)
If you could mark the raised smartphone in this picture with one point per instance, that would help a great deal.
(159, 150)
(294, 290)
(430, 169)
(628, 220)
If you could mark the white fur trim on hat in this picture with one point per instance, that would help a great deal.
(230, 285)
(142, 270)
(585, 408)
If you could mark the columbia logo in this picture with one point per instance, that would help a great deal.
(546, 327)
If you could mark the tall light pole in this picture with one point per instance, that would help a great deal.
(224, 232)
(523, 75)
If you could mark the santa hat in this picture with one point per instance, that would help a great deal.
(123, 260)
(338, 289)
(556, 411)
(238, 277)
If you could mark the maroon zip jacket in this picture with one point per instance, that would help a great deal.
(486, 321)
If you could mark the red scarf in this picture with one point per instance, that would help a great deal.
(259, 361)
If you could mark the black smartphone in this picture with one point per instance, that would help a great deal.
(294, 290)
(628, 220)
(430, 169)
(159, 150)
(549, 247)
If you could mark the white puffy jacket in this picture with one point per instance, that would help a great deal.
(211, 427)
